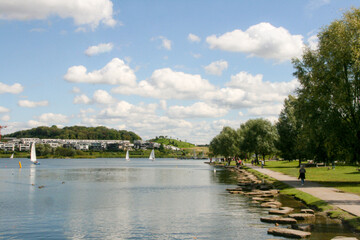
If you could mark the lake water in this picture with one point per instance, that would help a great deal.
(115, 199)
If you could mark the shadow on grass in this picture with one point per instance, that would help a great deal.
(358, 172)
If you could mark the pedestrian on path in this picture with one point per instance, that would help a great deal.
(302, 172)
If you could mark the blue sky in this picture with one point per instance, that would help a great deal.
(183, 69)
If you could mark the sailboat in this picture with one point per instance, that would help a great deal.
(152, 155)
(12, 156)
(127, 156)
(33, 155)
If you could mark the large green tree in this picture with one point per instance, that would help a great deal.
(258, 136)
(329, 92)
(225, 143)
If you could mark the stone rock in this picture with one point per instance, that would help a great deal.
(301, 216)
(279, 220)
(261, 199)
(307, 211)
(274, 204)
(281, 211)
(291, 233)
(302, 227)
(344, 238)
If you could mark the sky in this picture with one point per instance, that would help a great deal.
(182, 69)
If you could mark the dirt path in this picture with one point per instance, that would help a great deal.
(346, 201)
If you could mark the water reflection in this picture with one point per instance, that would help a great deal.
(113, 199)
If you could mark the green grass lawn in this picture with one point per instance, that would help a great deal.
(345, 178)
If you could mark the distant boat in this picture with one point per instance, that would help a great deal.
(152, 155)
(33, 155)
(127, 156)
(12, 156)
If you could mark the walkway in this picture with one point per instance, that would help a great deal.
(346, 201)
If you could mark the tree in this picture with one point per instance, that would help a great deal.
(258, 136)
(225, 143)
(329, 91)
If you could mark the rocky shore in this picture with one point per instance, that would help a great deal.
(288, 222)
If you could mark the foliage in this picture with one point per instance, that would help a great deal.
(76, 132)
(258, 136)
(329, 92)
(225, 143)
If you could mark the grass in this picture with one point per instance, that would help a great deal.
(344, 178)
(311, 201)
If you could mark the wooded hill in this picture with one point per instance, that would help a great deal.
(76, 132)
(173, 142)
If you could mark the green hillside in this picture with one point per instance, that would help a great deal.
(172, 142)
(76, 132)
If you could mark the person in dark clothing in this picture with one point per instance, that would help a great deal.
(302, 172)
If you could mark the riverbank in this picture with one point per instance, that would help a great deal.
(294, 220)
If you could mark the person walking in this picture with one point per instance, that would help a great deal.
(302, 172)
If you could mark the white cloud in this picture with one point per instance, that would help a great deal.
(193, 38)
(269, 110)
(314, 4)
(76, 90)
(197, 110)
(89, 12)
(4, 109)
(103, 97)
(163, 104)
(16, 88)
(123, 109)
(245, 90)
(165, 43)
(196, 55)
(5, 118)
(31, 104)
(47, 119)
(216, 68)
(261, 40)
(98, 49)
(82, 99)
(313, 42)
(115, 72)
(168, 84)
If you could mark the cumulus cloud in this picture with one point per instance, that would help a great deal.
(165, 43)
(82, 99)
(16, 88)
(5, 118)
(261, 40)
(4, 109)
(98, 49)
(47, 119)
(76, 90)
(246, 90)
(115, 72)
(31, 104)
(270, 110)
(103, 97)
(313, 42)
(168, 84)
(89, 12)
(197, 110)
(193, 38)
(216, 68)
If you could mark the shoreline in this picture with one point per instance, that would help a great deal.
(317, 205)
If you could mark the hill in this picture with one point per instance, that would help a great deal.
(172, 142)
(76, 132)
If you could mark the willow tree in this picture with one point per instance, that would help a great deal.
(329, 91)
(225, 143)
(258, 136)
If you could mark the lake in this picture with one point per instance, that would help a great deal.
(116, 199)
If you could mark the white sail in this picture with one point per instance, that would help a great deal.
(152, 155)
(33, 153)
(127, 156)
(12, 156)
